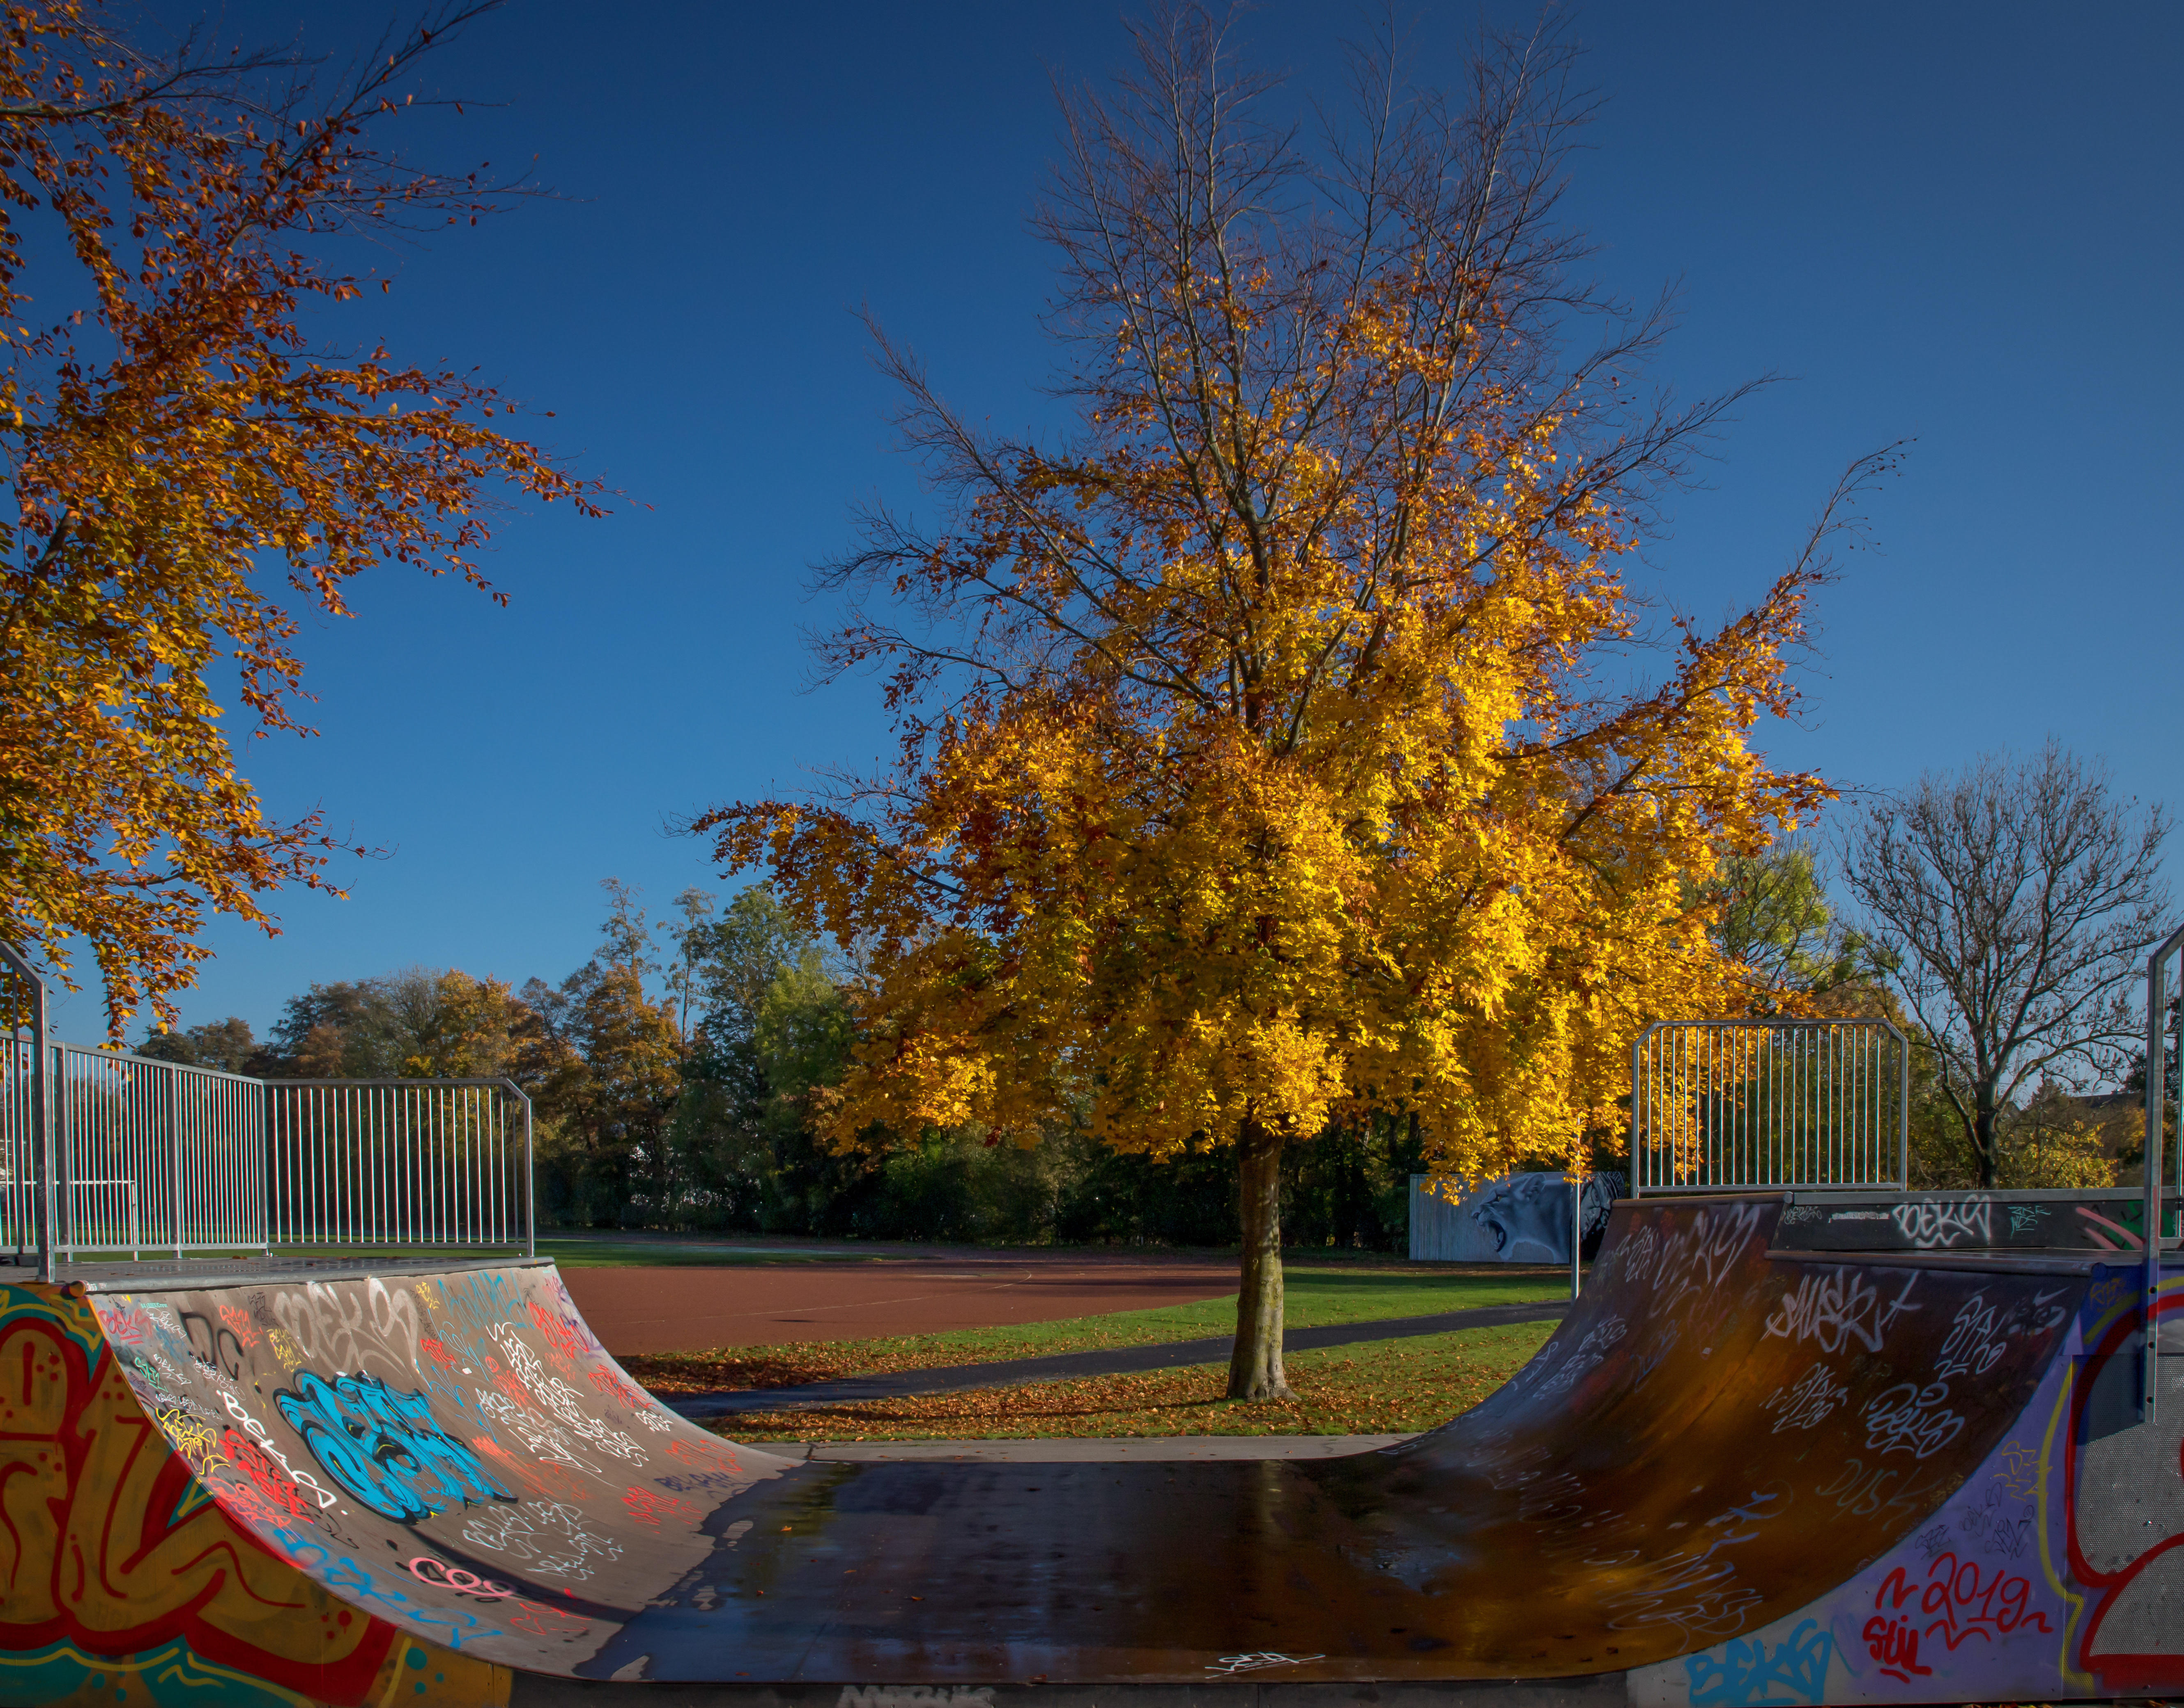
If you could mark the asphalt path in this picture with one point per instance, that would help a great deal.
(1111, 1361)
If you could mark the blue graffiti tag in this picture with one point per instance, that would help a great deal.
(1747, 1675)
(384, 1448)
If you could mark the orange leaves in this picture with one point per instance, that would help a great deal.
(155, 482)
(1269, 756)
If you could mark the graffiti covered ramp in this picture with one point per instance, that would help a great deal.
(1698, 1487)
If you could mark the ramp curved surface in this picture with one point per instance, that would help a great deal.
(1701, 1484)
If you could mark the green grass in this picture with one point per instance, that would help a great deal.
(1383, 1387)
(1314, 1298)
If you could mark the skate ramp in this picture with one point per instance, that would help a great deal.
(1690, 1489)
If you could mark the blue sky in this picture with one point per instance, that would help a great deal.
(1954, 222)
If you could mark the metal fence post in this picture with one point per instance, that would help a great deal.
(530, 1174)
(2157, 1113)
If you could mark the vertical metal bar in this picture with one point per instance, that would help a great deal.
(56, 1190)
(1577, 1222)
(2157, 1105)
(175, 1153)
(530, 1179)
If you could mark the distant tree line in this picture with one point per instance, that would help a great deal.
(676, 1076)
(681, 1076)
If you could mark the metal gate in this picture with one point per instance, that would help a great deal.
(1732, 1105)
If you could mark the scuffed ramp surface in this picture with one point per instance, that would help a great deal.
(1712, 1439)
(455, 1456)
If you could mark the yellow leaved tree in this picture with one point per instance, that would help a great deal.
(176, 443)
(1271, 754)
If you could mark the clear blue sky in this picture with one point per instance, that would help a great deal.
(1959, 222)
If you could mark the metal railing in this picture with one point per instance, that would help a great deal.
(27, 1208)
(187, 1142)
(1737, 1104)
(399, 1161)
(103, 1152)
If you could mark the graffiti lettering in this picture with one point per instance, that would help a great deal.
(1976, 1340)
(384, 1448)
(442, 1576)
(1590, 1353)
(1265, 1658)
(1748, 1673)
(1836, 1307)
(1942, 1224)
(557, 1543)
(698, 1479)
(265, 1445)
(2017, 1468)
(1967, 1602)
(1910, 1418)
(1806, 1402)
(1691, 1588)
(1991, 1524)
(1894, 1646)
(648, 1508)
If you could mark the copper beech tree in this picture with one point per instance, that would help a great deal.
(184, 458)
(1268, 754)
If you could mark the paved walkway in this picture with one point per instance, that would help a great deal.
(1111, 1361)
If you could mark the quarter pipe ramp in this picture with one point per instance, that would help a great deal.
(1753, 1467)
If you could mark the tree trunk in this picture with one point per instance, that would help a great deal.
(1254, 1365)
(1983, 1143)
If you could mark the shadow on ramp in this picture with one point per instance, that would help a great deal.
(1693, 1494)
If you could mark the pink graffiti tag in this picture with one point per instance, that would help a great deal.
(442, 1576)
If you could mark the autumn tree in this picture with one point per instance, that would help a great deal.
(223, 1044)
(1268, 753)
(178, 443)
(605, 1057)
(2012, 903)
(416, 1023)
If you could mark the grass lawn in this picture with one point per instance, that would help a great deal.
(1313, 1297)
(1382, 1388)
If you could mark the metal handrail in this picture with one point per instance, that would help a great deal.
(349, 1206)
(1726, 1155)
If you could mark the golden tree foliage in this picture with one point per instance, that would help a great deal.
(1267, 756)
(174, 442)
